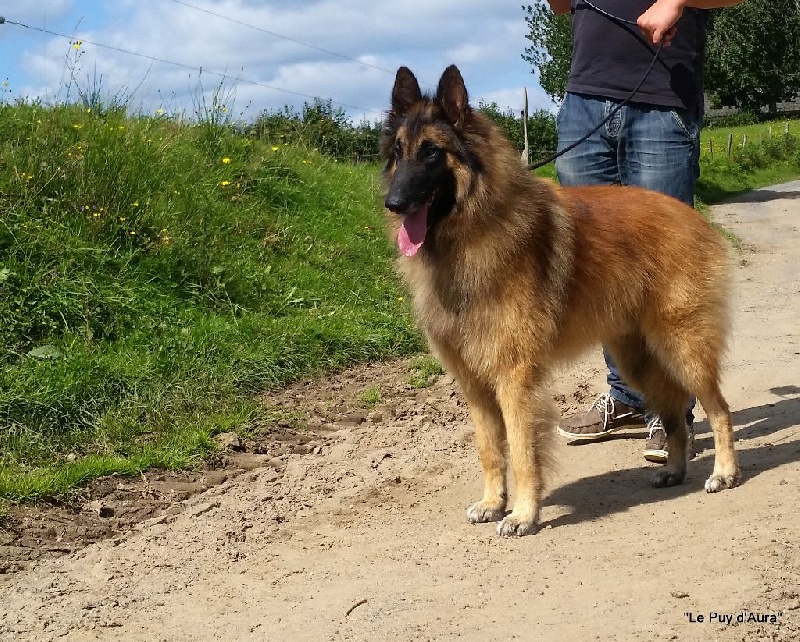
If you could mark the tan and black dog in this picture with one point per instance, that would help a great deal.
(510, 274)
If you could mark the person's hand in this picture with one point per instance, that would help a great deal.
(658, 22)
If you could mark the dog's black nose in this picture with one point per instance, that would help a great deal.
(396, 203)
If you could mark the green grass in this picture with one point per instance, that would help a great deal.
(767, 158)
(423, 371)
(370, 397)
(154, 277)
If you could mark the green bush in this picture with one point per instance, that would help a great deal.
(738, 119)
(542, 137)
(320, 127)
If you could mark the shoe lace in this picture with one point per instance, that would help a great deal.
(654, 424)
(604, 404)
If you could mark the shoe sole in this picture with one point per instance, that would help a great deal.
(596, 435)
(657, 456)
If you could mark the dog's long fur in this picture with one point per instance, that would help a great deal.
(514, 274)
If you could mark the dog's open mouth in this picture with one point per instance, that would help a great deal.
(413, 230)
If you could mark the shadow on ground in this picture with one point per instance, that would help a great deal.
(762, 196)
(619, 490)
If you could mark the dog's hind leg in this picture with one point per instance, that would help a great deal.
(490, 438)
(727, 472)
(663, 396)
(695, 357)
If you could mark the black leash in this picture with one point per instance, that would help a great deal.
(619, 106)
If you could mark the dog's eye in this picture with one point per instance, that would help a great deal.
(432, 153)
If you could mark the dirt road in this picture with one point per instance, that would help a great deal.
(365, 536)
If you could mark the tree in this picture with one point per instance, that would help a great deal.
(542, 137)
(752, 57)
(550, 51)
(753, 54)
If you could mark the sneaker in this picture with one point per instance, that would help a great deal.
(604, 416)
(655, 448)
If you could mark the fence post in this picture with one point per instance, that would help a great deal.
(744, 141)
(711, 148)
(525, 149)
(730, 144)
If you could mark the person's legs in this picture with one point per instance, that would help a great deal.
(648, 147)
(593, 162)
(659, 149)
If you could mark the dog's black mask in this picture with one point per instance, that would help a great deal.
(421, 144)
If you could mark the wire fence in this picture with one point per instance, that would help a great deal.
(222, 75)
(323, 124)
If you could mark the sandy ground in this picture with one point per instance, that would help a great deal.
(361, 534)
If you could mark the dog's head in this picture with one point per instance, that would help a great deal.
(429, 163)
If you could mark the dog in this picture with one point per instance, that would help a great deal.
(511, 274)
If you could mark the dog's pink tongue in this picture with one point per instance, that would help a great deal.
(412, 232)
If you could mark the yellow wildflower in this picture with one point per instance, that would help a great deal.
(275, 148)
(226, 160)
(225, 183)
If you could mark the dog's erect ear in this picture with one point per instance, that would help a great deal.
(452, 95)
(405, 92)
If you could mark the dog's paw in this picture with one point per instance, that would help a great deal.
(664, 478)
(512, 526)
(481, 512)
(718, 482)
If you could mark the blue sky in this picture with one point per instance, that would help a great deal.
(345, 50)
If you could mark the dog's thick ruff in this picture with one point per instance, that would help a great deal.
(510, 274)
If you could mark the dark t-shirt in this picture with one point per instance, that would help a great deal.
(609, 58)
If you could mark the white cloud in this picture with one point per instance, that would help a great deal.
(27, 11)
(485, 39)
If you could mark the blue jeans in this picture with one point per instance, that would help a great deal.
(644, 145)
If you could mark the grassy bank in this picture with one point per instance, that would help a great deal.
(738, 159)
(154, 277)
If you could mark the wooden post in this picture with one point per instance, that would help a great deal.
(730, 144)
(525, 149)
(711, 148)
(744, 141)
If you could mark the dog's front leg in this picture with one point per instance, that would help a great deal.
(528, 416)
(490, 438)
